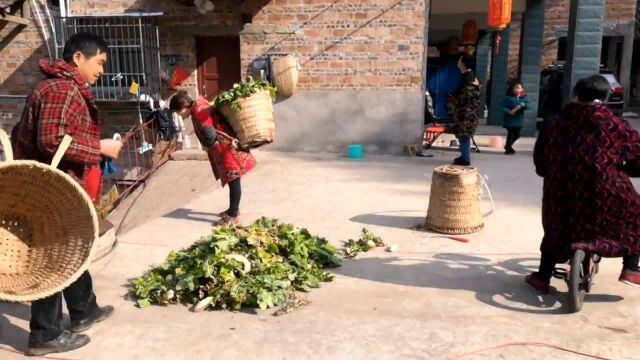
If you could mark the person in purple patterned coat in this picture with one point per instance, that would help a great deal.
(585, 156)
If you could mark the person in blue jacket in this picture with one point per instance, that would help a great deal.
(514, 106)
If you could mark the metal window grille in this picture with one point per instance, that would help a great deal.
(134, 54)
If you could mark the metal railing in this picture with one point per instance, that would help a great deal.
(142, 154)
(134, 52)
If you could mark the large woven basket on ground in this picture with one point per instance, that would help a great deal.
(454, 205)
(48, 226)
(253, 123)
(285, 75)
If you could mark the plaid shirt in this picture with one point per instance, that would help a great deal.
(60, 105)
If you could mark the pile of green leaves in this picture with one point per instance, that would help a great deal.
(351, 248)
(241, 90)
(255, 266)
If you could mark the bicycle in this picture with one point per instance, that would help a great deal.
(579, 278)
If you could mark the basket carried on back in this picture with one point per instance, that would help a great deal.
(454, 206)
(48, 226)
(285, 75)
(253, 122)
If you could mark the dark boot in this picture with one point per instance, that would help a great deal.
(99, 314)
(67, 341)
(461, 162)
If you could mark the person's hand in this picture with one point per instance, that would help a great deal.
(110, 148)
(236, 145)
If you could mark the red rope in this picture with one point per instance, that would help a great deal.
(529, 343)
(456, 238)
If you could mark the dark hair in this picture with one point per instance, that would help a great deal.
(512, 85)
(468, 61)
(594, 87)
(181, 100)
(88, 44)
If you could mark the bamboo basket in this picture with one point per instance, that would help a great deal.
(48, 227)
(454, 205)
(253, 123)
(285, 75)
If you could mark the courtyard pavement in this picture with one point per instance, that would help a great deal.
(432, 299)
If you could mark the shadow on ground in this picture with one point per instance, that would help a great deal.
(405, 219)
(188, 214)
(12, 335)
(498, 284)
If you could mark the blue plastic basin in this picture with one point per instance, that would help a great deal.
(355, 152)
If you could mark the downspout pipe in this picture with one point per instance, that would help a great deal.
(43, 28)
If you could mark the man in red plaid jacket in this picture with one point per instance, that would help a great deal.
(63, 105)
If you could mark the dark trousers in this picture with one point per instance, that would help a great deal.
(513, 134)
(547, 265)
(465, 147)
(235, 193)
(46, 314)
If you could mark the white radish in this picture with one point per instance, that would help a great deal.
(168, 295)
(202, 304)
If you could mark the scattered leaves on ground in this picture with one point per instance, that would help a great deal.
(351, 248)
(295, 301)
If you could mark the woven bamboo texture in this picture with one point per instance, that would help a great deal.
(454, 205)
(285, 78)
(253, 123)
(48, 226)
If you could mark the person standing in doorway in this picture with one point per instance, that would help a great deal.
(514, 106)
(63, 105)
(466, 109)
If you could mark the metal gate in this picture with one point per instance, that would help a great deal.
(142, 154)
(134, 54)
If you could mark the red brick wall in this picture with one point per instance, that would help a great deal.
(344, 45)
(18, 70)
(351, 44)
(10, 110)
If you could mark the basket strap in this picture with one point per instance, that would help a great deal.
(483, 185)
(6, 145)
(64, 145)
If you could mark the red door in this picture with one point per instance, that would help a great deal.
(218, 64)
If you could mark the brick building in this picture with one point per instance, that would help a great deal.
(364, 62)
(361, 75)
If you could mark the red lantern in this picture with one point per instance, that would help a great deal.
(469, 33)
(499, 14)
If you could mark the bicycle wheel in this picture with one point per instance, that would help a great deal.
(577, 277)
(593, 266)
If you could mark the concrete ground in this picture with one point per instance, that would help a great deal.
(433, 299)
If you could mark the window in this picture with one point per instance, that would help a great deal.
(133, 52)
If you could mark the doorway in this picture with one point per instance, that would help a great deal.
(218, 64)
